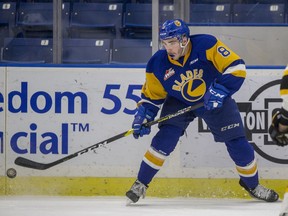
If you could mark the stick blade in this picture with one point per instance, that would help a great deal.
(24, 162)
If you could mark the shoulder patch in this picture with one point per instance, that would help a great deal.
(169, 73)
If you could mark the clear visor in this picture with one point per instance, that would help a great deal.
(172, 41)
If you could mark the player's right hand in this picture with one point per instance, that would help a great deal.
(215, 96)
(278, 137)
(142, 116)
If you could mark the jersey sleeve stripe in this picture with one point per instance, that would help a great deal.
(237, 70)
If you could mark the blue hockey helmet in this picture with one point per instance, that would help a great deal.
(174, 28)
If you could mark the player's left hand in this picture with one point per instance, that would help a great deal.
(215, 96)
(278, 137)
(142, 115)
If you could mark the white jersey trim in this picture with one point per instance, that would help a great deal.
(230, 70)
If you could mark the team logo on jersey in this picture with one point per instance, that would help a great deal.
(169, 73)
(191, 85)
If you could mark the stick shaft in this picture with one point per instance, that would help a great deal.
(24, 162)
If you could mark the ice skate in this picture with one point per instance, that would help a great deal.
(261, 192)
(136, 191)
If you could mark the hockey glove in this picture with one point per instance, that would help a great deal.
(142, 116)
(215, 96)
(278, 137)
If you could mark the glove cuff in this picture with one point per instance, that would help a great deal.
(147, 111)
(150, 109)
(221, 87)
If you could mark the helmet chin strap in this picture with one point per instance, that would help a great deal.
(184, 46)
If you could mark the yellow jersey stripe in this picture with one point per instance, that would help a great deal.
(284, 92)
(238, 71)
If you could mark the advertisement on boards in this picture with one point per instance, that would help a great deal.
(52, 113)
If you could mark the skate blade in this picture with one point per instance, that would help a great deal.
(129, 202)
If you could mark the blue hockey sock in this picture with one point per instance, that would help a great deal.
(242, 153)
(146, 173)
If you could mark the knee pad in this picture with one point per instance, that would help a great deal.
(166, 139)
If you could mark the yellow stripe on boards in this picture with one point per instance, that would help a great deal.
(159, 187)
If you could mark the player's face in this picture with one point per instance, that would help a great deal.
(173, 48)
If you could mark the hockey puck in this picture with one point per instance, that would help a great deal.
(11, 173)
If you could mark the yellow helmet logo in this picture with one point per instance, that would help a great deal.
(177, 23)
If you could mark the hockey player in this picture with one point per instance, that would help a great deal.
(279, 129)
(190, 70)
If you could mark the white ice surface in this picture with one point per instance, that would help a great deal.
(116, 206)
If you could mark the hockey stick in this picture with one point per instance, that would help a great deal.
(24, 162)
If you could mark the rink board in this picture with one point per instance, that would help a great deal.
(51, 112)
(159, 187)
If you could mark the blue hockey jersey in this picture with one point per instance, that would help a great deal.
(207, 59)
